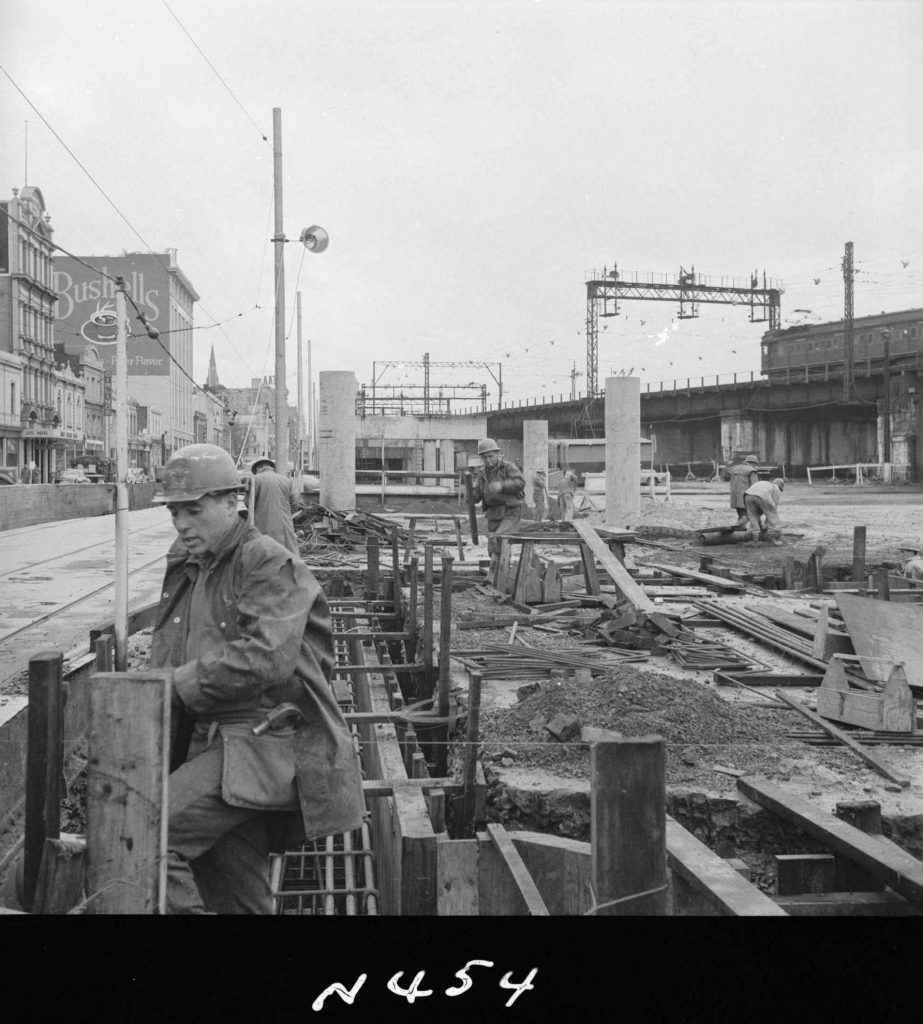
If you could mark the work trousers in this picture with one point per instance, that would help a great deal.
(567, 504)
(217, 855)
(510, 523)
(757, 507)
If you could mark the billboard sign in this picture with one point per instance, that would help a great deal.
(85, 312)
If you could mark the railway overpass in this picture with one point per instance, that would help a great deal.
(796, 422)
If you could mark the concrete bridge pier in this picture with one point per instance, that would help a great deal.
(429, 463)
(534, 453)
(623, 451)
(336, 438)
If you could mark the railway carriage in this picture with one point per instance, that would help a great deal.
(816, 350)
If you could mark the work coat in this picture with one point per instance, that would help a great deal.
(505, 502)
(743, 475)
(260, 636)
(271, 505)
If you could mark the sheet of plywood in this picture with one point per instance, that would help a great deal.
(885, 632)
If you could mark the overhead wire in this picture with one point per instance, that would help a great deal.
(217, 74)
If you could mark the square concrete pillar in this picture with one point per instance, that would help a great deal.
(429, 463)
(336, 438)
(534, 452)
(623, 451)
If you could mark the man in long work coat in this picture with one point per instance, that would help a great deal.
(246, 629)
(742, 475)
(500, 488)
(272, 502)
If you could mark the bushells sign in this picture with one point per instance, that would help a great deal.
(86, 308)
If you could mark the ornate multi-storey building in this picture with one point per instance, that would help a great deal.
(31, 425)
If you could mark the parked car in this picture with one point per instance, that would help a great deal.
(72, 476)
(7, 477)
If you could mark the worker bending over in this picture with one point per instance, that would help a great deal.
(500, 488)
(743, 475)
(272, 502)
(762, 503)
(245, 627)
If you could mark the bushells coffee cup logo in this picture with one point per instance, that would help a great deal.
(102, 327)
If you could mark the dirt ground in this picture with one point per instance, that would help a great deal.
(713, 733)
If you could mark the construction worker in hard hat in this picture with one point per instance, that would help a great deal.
(762, 503)
(272, 502)
(911, 562)
(245, 629)
(742, 475)
(540, 494)
(501, 489)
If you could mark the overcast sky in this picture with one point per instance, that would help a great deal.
(472, 161)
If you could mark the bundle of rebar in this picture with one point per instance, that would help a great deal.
(692, 651)
(512, 661)
(767, 632)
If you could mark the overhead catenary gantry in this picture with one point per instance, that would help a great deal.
(605, 288)
(435, 398)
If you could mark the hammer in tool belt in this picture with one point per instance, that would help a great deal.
(278, 717)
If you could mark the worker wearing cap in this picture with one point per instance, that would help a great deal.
(742, 475)
(246, 630)
(272, 502)
(540, 493)
(911, 562)
(762, 503)
(567, 488)
(500, 488)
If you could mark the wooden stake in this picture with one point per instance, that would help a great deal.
(427, 622)
(44, 764)
(628, 826)
(372, 578)
(445, 643)
(472, 514)
(127, 792)
(471, 755)
(858, 554)
(410, 645)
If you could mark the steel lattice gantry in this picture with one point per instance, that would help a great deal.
(605, 288)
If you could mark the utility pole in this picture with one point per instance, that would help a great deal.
(573, 380)
(309, 426)
(426, 383)
(300, 446)
(849, 385)
(886, 397)
(281, 392)
(121, 488)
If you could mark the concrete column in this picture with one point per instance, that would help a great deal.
(623, 451)
(446, 458)
(336, 438)
(534, 452)
(429, 462)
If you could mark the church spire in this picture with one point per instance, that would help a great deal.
(212, 381)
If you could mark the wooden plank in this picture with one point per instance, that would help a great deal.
(44, 764)
(798, 873)
(847, 904)
(522, 880)
(627, 833)
(561, 870)
(884, 633)
(456, 877)
(620, 576)
(884, 859)
(892, 710)
(732, 586)
(715, 878)
(845, 739)
(127, 792)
